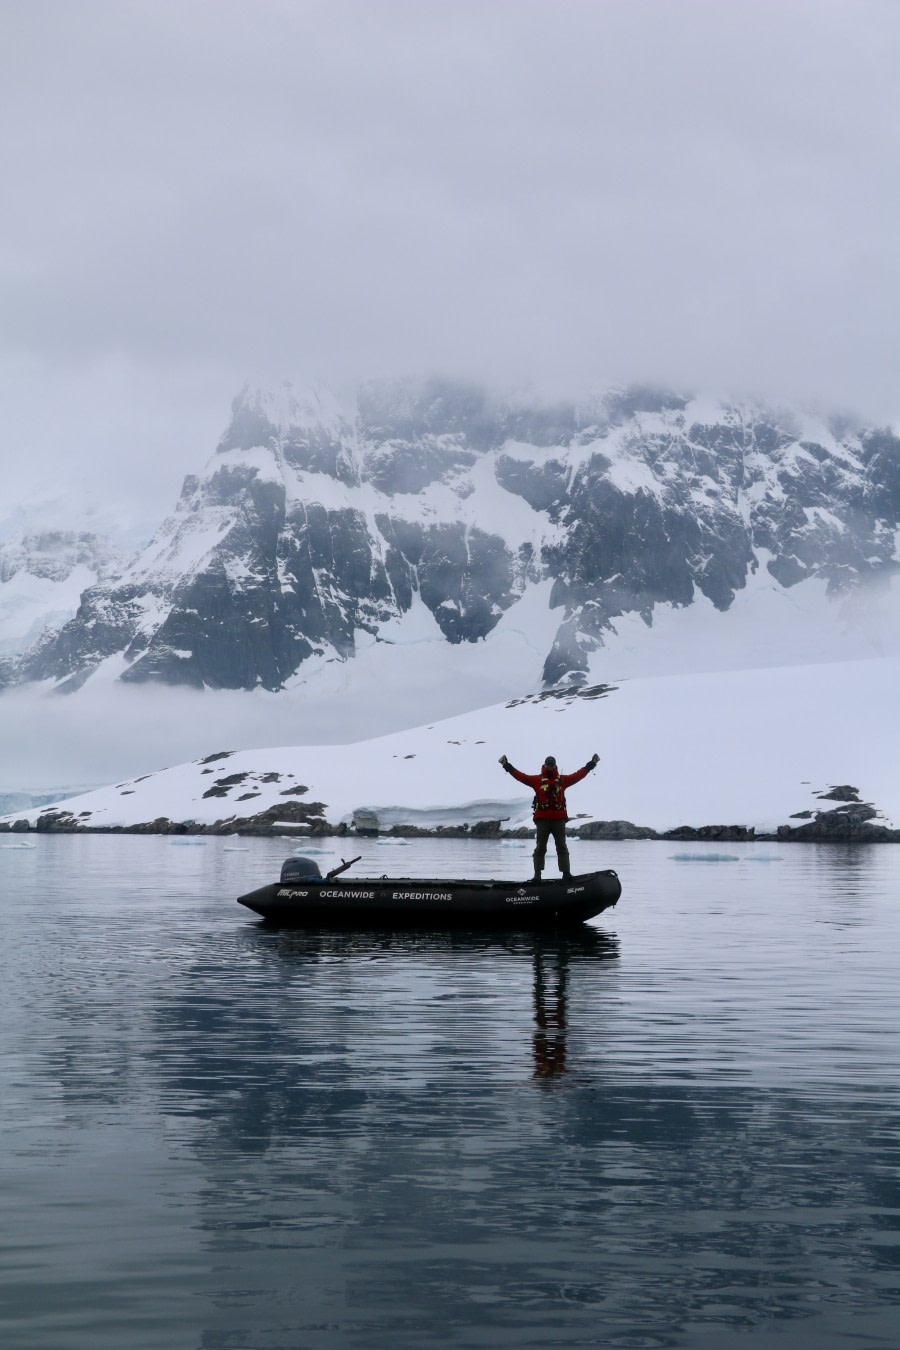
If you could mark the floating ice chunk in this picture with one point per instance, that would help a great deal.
(704, 857)
(201, 842)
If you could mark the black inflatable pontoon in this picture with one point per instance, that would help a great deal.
(304, 897)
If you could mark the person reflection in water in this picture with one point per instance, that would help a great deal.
(549, 1040)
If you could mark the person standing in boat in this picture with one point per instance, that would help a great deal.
(550, 814)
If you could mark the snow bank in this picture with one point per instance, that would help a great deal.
(747, 747)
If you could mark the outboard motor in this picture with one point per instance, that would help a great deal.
(300, 869)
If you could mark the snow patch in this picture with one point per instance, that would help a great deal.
(766, 625)
(632, 475)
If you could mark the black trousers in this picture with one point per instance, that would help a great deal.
(546, 828)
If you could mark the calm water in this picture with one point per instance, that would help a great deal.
(677, 1129)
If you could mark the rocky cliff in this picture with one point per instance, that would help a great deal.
(316, 521)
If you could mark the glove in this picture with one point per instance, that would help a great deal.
(503, 760)
(594, 761)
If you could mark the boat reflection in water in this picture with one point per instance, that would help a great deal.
(434, 974)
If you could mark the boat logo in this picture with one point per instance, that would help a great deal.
(347, 895)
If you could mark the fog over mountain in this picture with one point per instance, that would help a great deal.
(697, 195)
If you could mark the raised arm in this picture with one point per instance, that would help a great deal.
(530, 780)
(567, 779)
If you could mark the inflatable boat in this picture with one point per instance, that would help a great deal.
(304, 897)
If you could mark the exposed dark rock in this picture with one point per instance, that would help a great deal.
(292, 811)
(297, 791)
(55, 822)
(715, 832)
(613, 829)
(223, 786)
(844, 793)
(161, 825)
(566, 692)
(543, 485)
(853, 822)
(210, 759)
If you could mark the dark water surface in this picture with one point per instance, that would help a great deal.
(677, 1128)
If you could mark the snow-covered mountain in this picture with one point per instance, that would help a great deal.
(635, 531)
(52, 549)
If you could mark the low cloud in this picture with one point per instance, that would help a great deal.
(699, 194)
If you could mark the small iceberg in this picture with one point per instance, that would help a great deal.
(365, 822)
(704, 857)
(196, 842)
(23, 844)
(236, 848)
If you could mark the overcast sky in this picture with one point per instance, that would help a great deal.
(197, 193)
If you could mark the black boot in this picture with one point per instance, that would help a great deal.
(566, 876)
(533, 881)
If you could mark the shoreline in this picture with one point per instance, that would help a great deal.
(840, 826)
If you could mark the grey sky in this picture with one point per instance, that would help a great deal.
(195, 193)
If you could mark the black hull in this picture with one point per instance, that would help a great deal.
(408, 902)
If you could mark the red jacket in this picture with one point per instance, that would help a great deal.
(548, 785)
